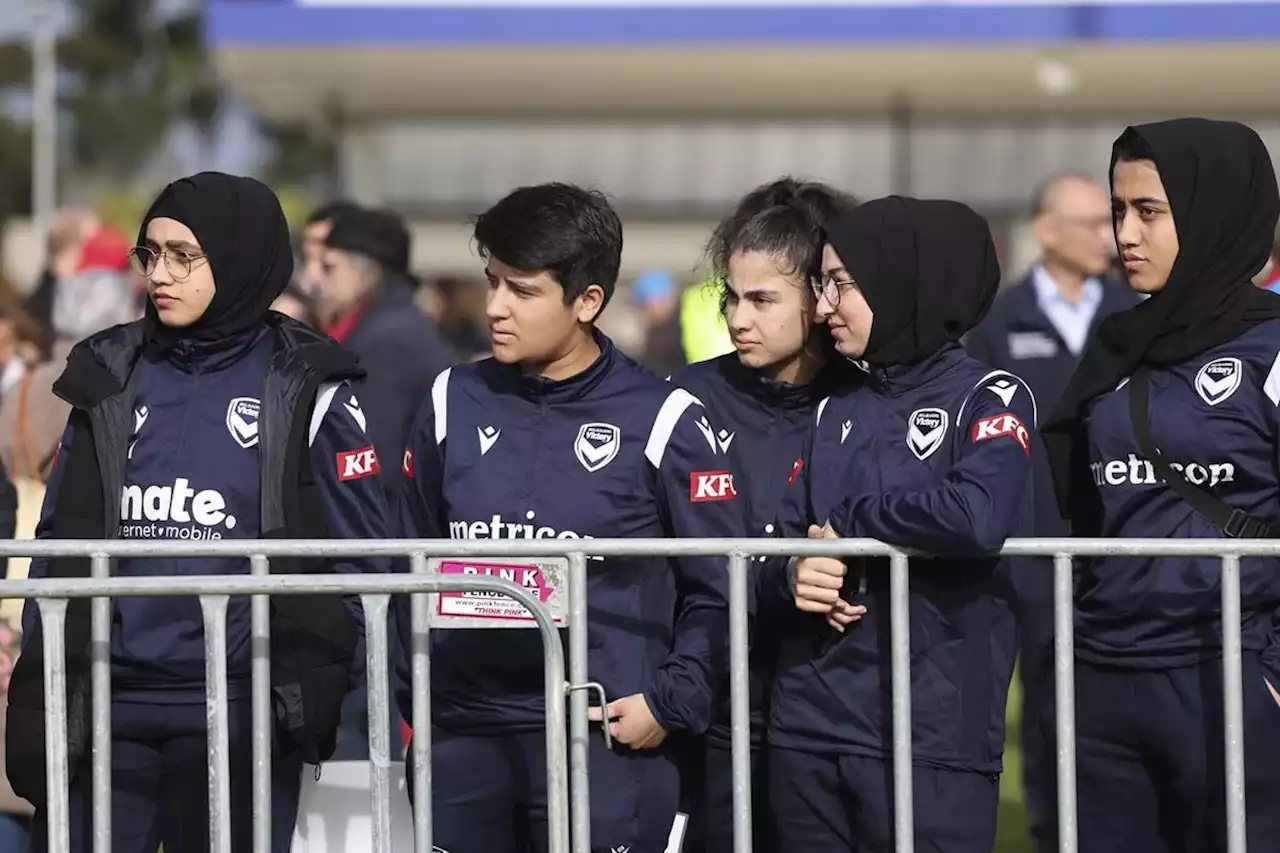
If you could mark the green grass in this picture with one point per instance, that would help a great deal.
(1011, 833)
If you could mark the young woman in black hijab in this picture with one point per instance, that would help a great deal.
(211, 418)
(930, 453)
(1169, 429)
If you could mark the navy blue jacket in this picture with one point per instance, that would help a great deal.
(1216, 419)
(402, 351)
(1018, 337)
(192, 473)
(933, 457)
(611, 452)
(766, 423)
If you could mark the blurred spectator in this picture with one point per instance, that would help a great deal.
(703, 330)
(366, 295)
(15, 812)
(314, 234)
(68, 232)
(296, 304)
(462, 320)
(1268, 278)
(658, 296)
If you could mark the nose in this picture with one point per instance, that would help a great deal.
(160, 275)
(495, 304)
(1128, 232)
(824, 309)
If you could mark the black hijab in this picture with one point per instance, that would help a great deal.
(244, 234)
(1222, 192)
(927, 269)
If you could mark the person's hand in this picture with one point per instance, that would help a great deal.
(817, 584)
(1274, 694)
(631, 723)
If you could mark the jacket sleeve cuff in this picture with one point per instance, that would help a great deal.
(661, 713)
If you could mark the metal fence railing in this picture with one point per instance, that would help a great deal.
(567, 780)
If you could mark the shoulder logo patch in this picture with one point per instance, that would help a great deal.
(597, 445)
(1219, 379)
(1004, 389)
(926, 430)
(242, 420)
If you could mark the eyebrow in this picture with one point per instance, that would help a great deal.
(181, 244)
(523, 282)
(1146, 199)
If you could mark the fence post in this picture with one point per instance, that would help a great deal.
(1233, 704)
(376, 661)
(1064, 662)
(900, 639)
(740, 701)
(214, 608)
(420, 642)
(260, 687)
(579, 728)
(53, 626)
(100, 654)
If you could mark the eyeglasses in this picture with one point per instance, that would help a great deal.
(831, 289)
(177, 262)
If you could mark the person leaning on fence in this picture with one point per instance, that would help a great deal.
(1169, 430)
(211, 418)
(930, 453)
(762, 398)
(561, 436)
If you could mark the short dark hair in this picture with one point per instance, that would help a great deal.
(568, 231)
(331, 210)
(783, 219)
(1131, 146)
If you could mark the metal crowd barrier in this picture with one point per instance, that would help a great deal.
(568, 813)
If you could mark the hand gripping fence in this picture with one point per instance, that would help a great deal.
(567, 770)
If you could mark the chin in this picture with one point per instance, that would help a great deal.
(1147, 285)
(504, 354)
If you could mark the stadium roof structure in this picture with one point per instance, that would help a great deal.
(372, 60)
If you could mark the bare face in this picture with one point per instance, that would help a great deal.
(1075, 229)
(529, 322)
(313, 237)
(1145, 231)
(842, 307)
(181, 284)
(769, 313)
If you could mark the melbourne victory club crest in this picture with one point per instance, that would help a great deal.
(926, 430)
(1218, 380)
(242, 421)
(597, 445)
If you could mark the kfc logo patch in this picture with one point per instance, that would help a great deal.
(711, 486)
(407, 464)
(358, 464)
(999, 425)
(796, 468)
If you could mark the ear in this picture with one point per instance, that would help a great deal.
(589, 304)
(1043, 229)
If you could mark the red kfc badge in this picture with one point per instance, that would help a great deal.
(711, 486)
(1000, 425)
(358, 464)
(796, 468)
(407, 465)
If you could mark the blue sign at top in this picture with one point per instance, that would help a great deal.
(339, 23)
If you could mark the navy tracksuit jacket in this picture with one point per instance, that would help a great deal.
(1149, 630)
(192, 474)
(934, 457)
(767, 423)
(1017, 336)
(611, 452)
